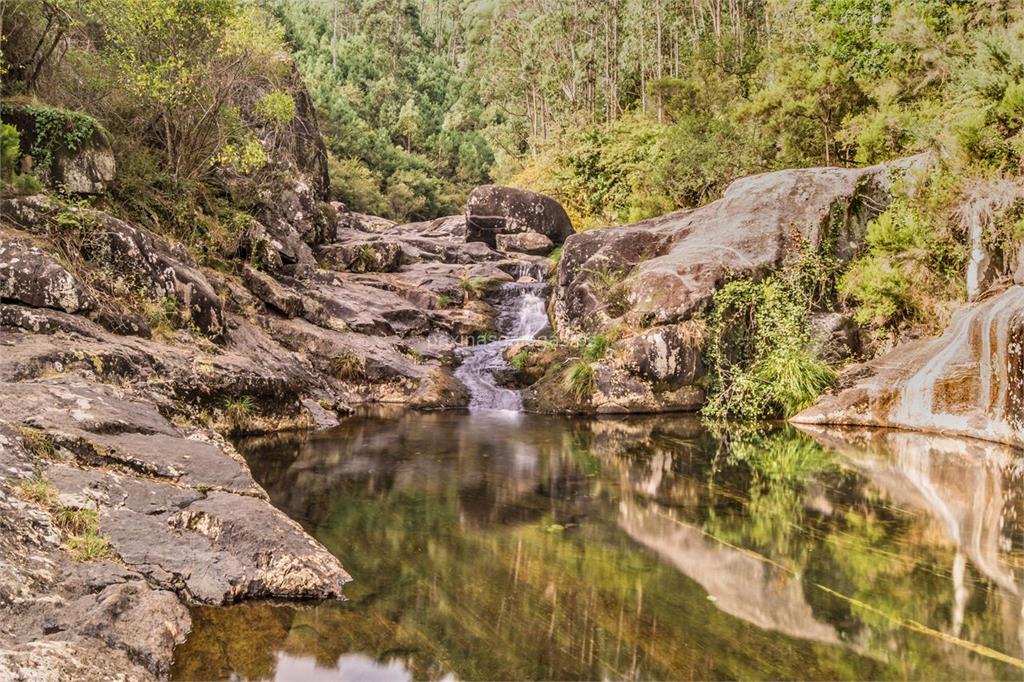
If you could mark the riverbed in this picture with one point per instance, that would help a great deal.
(497, 545)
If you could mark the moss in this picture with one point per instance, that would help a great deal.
(52, 130)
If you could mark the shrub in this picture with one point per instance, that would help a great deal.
(276, 108)
(881, 290)
(595, 347)
(758, 356)
(579, 380)
(240, 410)
(520, 359)
(10, 150)
(443, 301)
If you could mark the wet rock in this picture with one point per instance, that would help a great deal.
(493, 210)
(31, 276)
(530, 243)
(969, 381)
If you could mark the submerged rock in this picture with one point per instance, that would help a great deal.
(969, 381)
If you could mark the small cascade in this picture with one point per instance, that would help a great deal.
(522, 315)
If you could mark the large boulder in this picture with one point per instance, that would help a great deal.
(31, 276)
(85, 166)
(132, 260)
(494, 209)
(664, 270)
(970, 381)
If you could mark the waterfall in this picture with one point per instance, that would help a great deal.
(522, 315)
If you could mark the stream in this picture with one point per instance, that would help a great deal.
(521, 316)
(493, 545)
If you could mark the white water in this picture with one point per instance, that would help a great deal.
(522, 316)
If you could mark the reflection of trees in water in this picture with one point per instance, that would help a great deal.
(462, 542)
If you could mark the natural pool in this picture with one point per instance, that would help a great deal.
(512, 546)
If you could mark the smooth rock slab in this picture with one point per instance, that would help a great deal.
(969, 381)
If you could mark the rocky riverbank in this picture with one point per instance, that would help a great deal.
(126, 363)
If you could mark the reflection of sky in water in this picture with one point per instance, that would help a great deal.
(499, 546)
(350, 667)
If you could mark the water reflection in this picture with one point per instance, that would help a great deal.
(523, 547)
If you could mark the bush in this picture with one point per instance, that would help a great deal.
(10, 150)
(276, 108)
(881, 290)
(579, 380)
(758, 356)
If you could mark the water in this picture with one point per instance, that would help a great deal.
(522, 316)
(496, 546)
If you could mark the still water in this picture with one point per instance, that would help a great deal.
(486, 546)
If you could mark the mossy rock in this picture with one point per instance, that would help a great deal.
(62, 148)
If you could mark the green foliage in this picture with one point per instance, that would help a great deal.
(55, 130)
(240, 411)
(907, 263)
(443, 301)
(356, 186)
(579, 380)
(520, 360)
(276, 108)
(10, 150)
(758, 353)
(595, 347)
(397, 113)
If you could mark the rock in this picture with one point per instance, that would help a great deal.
(87, 168)
(31, 276)
(619, 392)
(440, 390)
(276, 247)
(133, 260)
(90, 171)
(835, 337)
(668, 357)
(363, 256)
(282, 299)
(664, 270)
(350, 220)
(493, 210)
(970, 381)
(530, 243)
